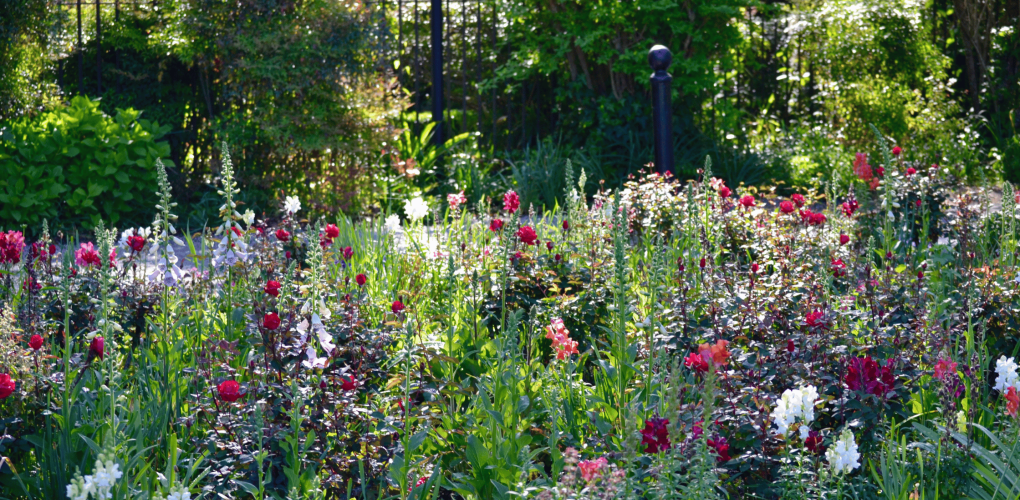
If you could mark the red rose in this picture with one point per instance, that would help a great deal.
(527, 235)
(97, 346)
(332, 231)
(786, 207)
(271, 321)
(6, 385)
(896, 150)
(361, 279)
(511, 202)
(282, 235)
(349, 384)
(838, 268)
(817, 219)
(695, 362)
(136, 243)
(397, 307)
(35, 342)
(724, 192)
(558, 257)
(844, 239)
(229, 391)
(798, 200)
(273, 288)
(815, 319)
(911, 171)
(496, 225)
(747, 201)
(348, 253)
(754, 267)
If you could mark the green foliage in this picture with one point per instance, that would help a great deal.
(78, 165)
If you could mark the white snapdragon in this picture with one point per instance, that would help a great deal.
(796, 404)
(392, 223)
(248, 217)
(291, 205)
(843, 455)
(416, 208)
(99, 484)
(1006, 376)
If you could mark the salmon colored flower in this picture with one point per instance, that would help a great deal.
(590, 468)
(717, 353)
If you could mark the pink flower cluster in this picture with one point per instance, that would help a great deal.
(559, 335)
(11, 245)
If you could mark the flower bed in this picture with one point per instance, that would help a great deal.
(664, 341)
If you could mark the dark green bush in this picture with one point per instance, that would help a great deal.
(75, 164)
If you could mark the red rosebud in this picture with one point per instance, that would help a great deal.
(271, 321)
(35, 342)
(549, 245)
(566, 225)
(332, 231)
(287, 254)
(844, 239)
(97, 346)
(229, 391)
(527, 235)
(786, 207)
(282, 235)
(361, 279)
(397, 307)
(747, 201)
(348, 253)
(496, 225)
(273, 288)
(702, 264)
(136, 242)
(917, 203)
(558, 257)
(920, 274)
(790, 346)
(798, 199)
(754, 267)
(6, 386)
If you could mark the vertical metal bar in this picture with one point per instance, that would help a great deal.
(478, 64)
(662, 114)
(116, 53)
(400, 36)
(494, 61)
(81, 56)
(99, 50)
(524, 113)
(437, 70)
(60, 28)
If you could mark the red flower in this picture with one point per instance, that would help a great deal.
(724, 192)
(273, 288)
(282, 235)
(558, 257)
(397, 307)
(695, 362)
(566, 225)
(717, 353)
(844, 239)
(549, 245)
(879, 172)
(911, 171)
(813, 442)
(838, 268)
(861, 168)
(702, 263)
(496, 225)
(348, 253)
(361, 279)
(229, 391)
(790, 346)
(655, 435)
(754, 267)
(917, 203)
(786, 207)
(1012, 404)
(944, 368)
(332, 231)
(721, 447)
(815, 319)
(896, 150)
(237, 231)
(136, 242)
(97, 346)
(817, 219)
(86, 256)
(511, 202)
(35, 342)
(864, 375)
(325, 241)
(849, 207)
(747, 201)
(527, 235)
(271, 321)
(798, 200)
(6, 386)
(11, 245)
(349, 384)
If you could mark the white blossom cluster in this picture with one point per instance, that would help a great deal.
(843, 455)
(291, 205)
(1006, 376)
(325, 341)
(794, 404)
(416, 208)
(99, 484)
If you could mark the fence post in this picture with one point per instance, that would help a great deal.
(436, 19)
(662, 113)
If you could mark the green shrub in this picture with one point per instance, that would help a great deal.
(76, 164)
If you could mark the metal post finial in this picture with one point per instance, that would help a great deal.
(659, 58)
